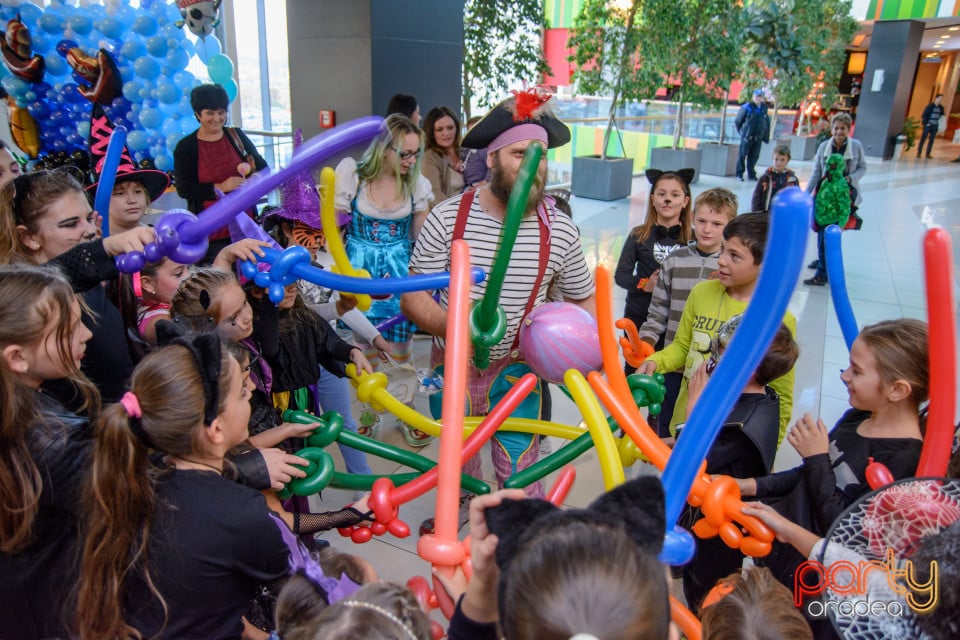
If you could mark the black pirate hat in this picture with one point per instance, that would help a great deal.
(530, 106)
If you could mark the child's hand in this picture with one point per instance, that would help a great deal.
(698, 381)
(360, 360)
(647, 367)
(648, 284)
(383, 347)
(298, 430)
(480, 601)
(803, 540)
(280, 467)
(455, 585)
(133, 240)
(363, 506)
(809, 437)
(766, 514)
(248, 250)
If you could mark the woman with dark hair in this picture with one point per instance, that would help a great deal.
(213, 158)
(442, 164)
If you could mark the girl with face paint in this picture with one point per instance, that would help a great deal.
(666, 227)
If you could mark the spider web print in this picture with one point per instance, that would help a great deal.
(895, 517)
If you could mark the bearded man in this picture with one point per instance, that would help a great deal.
(547, 256)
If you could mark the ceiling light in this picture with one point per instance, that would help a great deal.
(954, 29)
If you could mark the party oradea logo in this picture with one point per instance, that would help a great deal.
(868, 588)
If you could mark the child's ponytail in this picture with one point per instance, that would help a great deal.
(20, 481)
(120, 501)
(173, 391)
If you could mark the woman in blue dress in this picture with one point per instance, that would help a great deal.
(387, 200)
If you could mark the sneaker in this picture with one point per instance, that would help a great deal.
(815, 281)
(929, 157)
(369, 424)
(463, 516)
(740, 178)
(814, 264)
(752, 178)
(414, 437)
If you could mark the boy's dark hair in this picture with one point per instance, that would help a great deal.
(757, 607)
(782, 150)
(944, 621)
(403, 103)
(751, 229)
(208, 96)
(780, 357)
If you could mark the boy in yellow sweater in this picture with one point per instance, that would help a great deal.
(713, 302)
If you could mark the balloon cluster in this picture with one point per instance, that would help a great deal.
(60, 59)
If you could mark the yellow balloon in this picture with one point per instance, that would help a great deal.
(328, 221)
(372, 389)
(606, 445)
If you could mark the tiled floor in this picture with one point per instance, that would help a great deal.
(885, 279)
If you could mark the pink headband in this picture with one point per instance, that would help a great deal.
(519, 133)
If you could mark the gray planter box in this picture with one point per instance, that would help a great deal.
(803, 147)
(601, 179)
(719, 159)
(670, 159)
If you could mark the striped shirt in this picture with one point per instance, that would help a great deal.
(679, 273)
(566, 270)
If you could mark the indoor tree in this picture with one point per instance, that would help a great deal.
(695, 47)
(792, 44)
(606, 57)
(503, 45)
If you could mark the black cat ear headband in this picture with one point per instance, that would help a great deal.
(206, 350)
(686, 175)
(636, 507)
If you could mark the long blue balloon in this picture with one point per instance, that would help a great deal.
(293, 264)
(789, 220)
(108, 175)
(838, 285)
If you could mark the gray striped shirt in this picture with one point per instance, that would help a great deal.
(679, 273)
(566, 268)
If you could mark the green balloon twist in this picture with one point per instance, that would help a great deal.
(331, 429)
(484, 315)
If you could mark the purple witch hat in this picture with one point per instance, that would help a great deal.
(299, 200)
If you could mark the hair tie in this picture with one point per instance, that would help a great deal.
(372, 607)
(131, 405)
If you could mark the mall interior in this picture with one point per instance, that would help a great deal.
(903, 54)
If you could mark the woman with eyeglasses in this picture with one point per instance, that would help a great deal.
(387, 200)
(442, 164)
